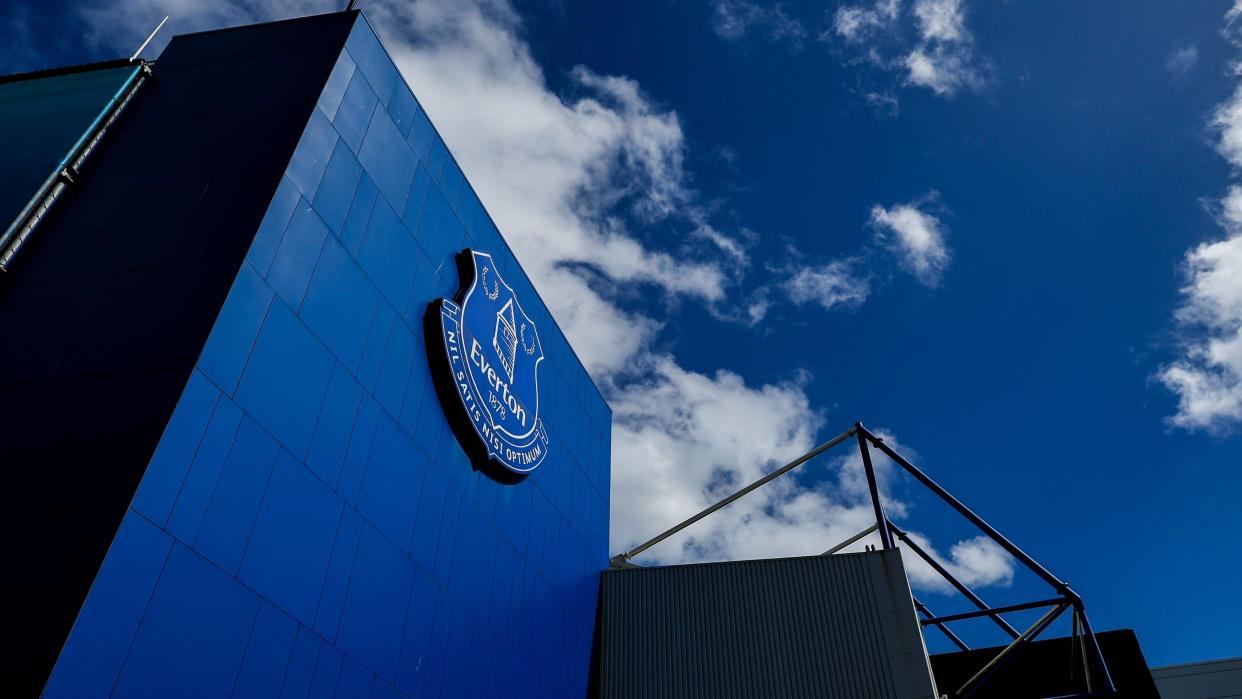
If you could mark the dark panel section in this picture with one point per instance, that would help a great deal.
(829, 626)
(1211, 679)
(104, 313)
(42, 116)
(1042, 669)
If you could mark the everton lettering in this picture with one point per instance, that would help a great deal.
(476, 356)
(493, 353)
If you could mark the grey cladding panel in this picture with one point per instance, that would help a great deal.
(1213, 679)
(836, 626)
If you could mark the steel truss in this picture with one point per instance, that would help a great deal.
(1098, 681)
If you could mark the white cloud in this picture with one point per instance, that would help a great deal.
(884, 103)
(944, 70)
(1227, 121)
(941, 20)
(837, 283)
(1233, 13)
(732, 247)
(576, 181)
(1182, 59)
(916, 237)
(857, 22)
(735, 19)
(943, 60)
(976, 562)
(1207, 377)
(939, 57)
(911, 235)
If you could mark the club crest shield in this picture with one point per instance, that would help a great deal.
(489, 366)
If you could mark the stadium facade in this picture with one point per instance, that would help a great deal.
(283, 416)
(235, 474)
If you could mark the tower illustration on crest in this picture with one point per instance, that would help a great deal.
(505, 340)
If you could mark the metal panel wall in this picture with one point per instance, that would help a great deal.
(1211, 679)
(832, 626)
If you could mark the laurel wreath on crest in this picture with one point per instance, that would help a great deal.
(491, 295)
(529, 349)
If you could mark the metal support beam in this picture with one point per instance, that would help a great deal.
(943, 629)
(1035, 629)
(995, 610)
(850, 540)
(150, 36)
(625, 557)
(961, 587)
(886, 538)
(1094, 660)
(1076, 642)
(1056, 583)
(37, 208)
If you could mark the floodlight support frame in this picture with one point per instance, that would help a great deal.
(873, 486)
(959, 585)
(621, 559)
(1098, 680)
(931, 618)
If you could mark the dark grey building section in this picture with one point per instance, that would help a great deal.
(1047, 668)
(831, 626)
(106, 308)
(1213, 679)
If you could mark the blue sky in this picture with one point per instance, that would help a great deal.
(1004, 233)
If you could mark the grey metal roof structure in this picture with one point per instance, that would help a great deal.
(1212, 679)
(825, 626)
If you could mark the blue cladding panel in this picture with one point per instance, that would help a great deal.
(388, 255)
(336, 422)
(284, 203)
(359, 214)
(373, 61)
(388, 159)
(356, 110)
(287, 557)
(390, 488)
(297, 253)
(354, 680)
(422, 134)
(402, 107)
(339, 304)
(328, 535)
(301, 664)
(159, 487)
(327, 672)
(104, 629)
(267, 655)
(228, 519)
(204, 471)
(193, 635)
(286, 378)
(235, 330)
(338, 81)
(311, 157)
(375, 608)
(337, 188)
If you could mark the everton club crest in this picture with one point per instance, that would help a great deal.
(489, 353)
